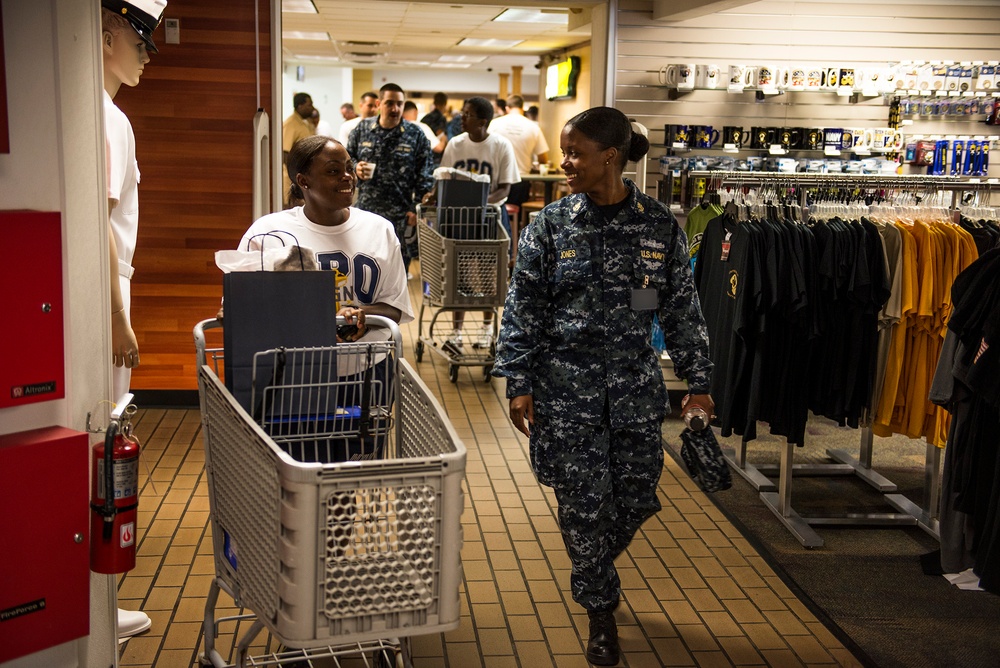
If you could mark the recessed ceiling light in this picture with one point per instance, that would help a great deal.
(295, 34)
(451, 65)
(493, 43)
(332, 59)
(462, 59)
(526, 15)
(298, 7)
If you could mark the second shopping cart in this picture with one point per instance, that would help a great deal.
(464, 265)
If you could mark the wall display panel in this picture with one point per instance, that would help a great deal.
(784, 34)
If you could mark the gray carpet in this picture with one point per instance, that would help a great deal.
(866, 583)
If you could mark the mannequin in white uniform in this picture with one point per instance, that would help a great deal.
(126, 39)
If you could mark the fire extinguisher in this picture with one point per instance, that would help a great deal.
(113, 516)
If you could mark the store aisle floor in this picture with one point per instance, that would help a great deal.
(695, 591)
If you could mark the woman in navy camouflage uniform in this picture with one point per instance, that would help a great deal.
(574, 346)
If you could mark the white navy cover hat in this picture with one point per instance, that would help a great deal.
(143, 15)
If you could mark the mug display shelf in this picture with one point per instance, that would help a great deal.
(853, 94)
(777, 150)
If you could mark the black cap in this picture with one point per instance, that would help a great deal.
(143, 15)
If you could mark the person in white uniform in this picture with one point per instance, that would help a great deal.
(126, 40)
(360, 244)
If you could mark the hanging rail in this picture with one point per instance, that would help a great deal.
(779, 499)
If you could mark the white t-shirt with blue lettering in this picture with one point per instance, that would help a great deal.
(493, 156)
(365, 248)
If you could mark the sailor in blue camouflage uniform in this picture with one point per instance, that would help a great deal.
(404, 166)
(574, 346)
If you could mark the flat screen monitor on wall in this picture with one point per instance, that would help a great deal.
(560, 79)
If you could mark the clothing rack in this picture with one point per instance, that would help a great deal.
(779, 498)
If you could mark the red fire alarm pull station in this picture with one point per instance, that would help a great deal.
(31, 277)
(44, 563)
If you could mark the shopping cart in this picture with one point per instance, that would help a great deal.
(335, 506)
(463, 263)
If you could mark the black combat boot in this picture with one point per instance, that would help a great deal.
(602, 648)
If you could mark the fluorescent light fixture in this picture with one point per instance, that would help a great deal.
(298, 7)
(451, 65)
(492, 43)
(296, 34)
(527, 15)
(462, 59)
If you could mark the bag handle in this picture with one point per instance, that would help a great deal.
(366, 390)
(277, 235)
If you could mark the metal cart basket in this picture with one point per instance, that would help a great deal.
(464, 265)
(336, 508)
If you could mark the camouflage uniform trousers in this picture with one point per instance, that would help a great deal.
(605, 481)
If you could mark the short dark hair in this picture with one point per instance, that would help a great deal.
(409, 104)
(300, 159)
(347, 105)
(515, 101)
(390, 87)
(610, 128)
(370, 94)
(300, 99)
(482, 107)
(502, 104)
(440, 99)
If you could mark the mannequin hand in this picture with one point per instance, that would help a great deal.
(520, 408)
(124, 348)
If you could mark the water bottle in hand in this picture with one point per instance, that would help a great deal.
(696, 418)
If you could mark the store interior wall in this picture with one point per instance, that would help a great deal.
(784, 32)
(193, 116)
(53, 71)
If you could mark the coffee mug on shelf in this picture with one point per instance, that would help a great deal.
(708, 76)
(737, 77)
(797, 78)
(704, 136)
(846, 139)
(680, 77)
(782, 78)
(886, 139)
(845, 78)
(813, 139)
(815, 78)
(831, 78)
(861, 138)
(767, 77)
(733, 135)
(833, 138)
(761, 137)
(676, 136)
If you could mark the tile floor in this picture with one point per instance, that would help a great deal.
(695, 591)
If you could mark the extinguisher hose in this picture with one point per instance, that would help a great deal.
(109, 480)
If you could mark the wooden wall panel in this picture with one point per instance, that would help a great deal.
(193, 118)
(783, 32)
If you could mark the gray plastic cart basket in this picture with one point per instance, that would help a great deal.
(464, 267)
(342, 558)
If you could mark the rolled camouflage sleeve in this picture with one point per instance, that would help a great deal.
(524, 313)
(684, 330)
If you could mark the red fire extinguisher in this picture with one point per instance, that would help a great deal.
(113, 516)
